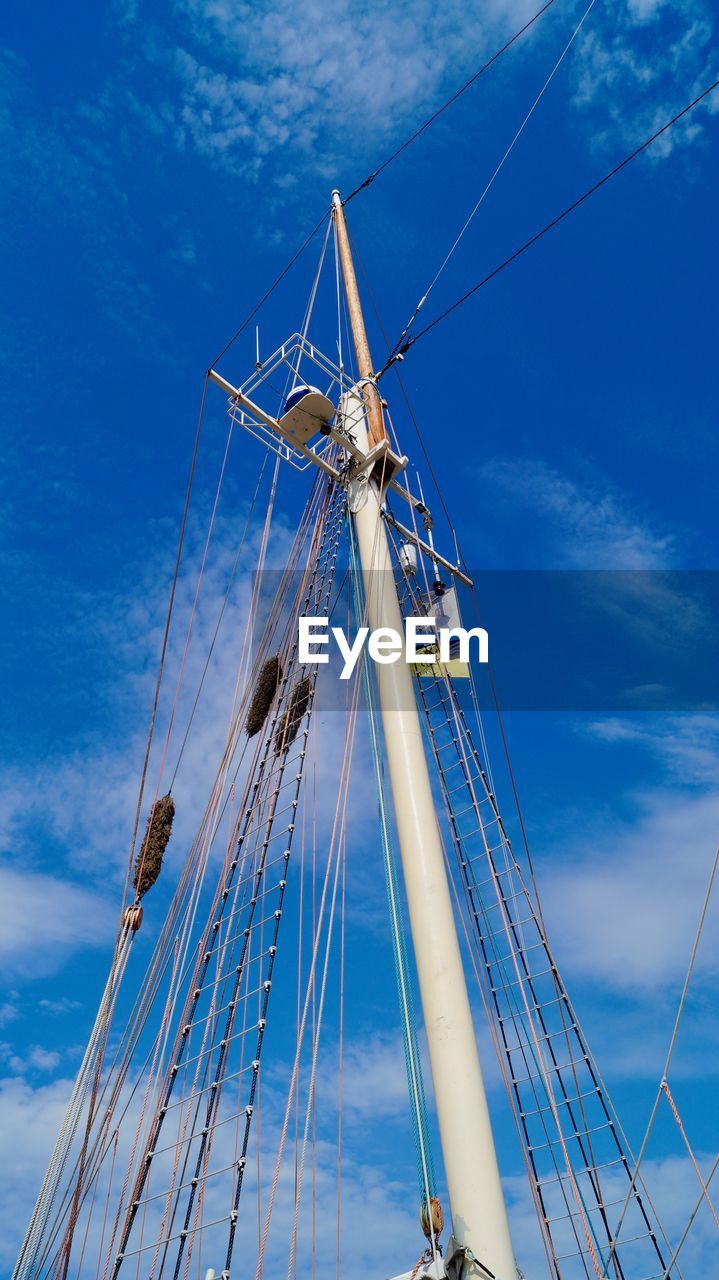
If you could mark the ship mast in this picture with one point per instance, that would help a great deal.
(478, 1210)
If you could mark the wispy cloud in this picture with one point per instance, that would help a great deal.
(44, 918)
(305, 74)
(33, 1059)
(687, 745)
(240, 84)
(674, 1190)
(623, 899)
(9, 1012)
(641, 62)
(58, 1008)
(587, 526)
(243, 83)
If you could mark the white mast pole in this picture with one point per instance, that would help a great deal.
(479, 1216)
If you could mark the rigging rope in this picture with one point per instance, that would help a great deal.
(413, 1065)
(380, 169)
(692, 1216)
(146, 997)
(329, 888)
(225, 599)
(51, 1183)
(519, 1014)
(316, 577)
(163, 649)
(672, 1041)
(522, 980)
(317, 1019)
(549, 226)
(695, 1165)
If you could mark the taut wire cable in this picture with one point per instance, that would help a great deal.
(672, 1043)
(549, 226)
(490, 183)
(445, 105)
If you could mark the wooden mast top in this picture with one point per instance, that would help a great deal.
(375, 419)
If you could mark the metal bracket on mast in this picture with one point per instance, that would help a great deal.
(291, 445)
(458, 1257)
(282, 435)
(409, 536)
(451, 1266)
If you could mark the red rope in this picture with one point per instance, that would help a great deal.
(675, 1112)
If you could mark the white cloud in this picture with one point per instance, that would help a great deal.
(674, 1191)
(686, 745)
(315, 86)
(644, 10)
(29, 1121)
(9, 1012)
(374, 1067)
(57, 1008)
(35, 1058)
(623, 899)
(318, 90)
(592, 527)
(44, 918)
(641, 62)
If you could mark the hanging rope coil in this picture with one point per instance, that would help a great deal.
(227, 959)
(266, 686)
(148, 864)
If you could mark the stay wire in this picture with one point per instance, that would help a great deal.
(692, 1216)
(380, 169)
(670, 1051)
(495, 174)
(538, 235)
(412, 416)
(445, 105)
(163, 650)
(226, 597)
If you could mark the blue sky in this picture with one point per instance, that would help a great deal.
(161, 162)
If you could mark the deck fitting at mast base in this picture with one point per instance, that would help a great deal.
(458, 1257)
(451, 1266)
